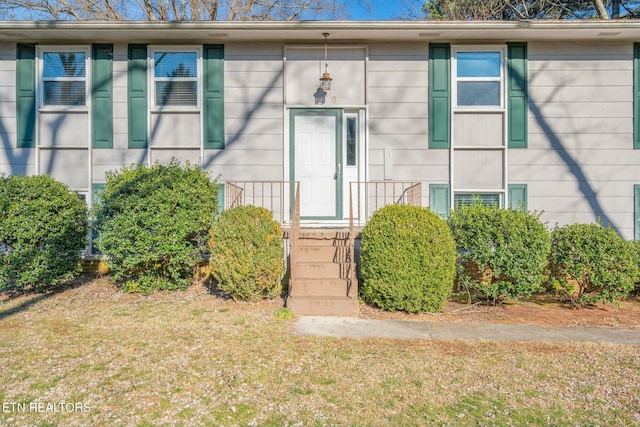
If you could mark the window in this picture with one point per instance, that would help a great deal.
(175, 78)
(352, 140)
(64, 77)
(467, 199)
(478, 78)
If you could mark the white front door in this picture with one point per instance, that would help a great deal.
(317, 158)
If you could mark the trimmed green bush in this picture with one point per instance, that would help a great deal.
(43, 230)
(592, 264)
(247, 256)
(502, 253)
(153, 224)
(407, 260)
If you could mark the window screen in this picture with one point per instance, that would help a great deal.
(176, 78)
(64, 78)
(479, 76)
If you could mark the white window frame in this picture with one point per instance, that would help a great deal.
(502, 50)
(464, 109)
(152, 78)
(40, 52)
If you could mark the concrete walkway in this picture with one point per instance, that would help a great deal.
(412, 329)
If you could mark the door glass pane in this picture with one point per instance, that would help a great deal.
(478, 64)
(352, 140)
(479, 93)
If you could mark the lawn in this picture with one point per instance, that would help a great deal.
(100, 357)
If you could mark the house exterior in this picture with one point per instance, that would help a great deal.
(540, 114)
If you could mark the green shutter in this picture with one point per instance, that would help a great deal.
(439, 96)
(102, 96)
(518, 196)
(636, 95)
(137, 96)
(636, 212)
(213, 90)
(517, 95)
(439, 199)
(26, 95)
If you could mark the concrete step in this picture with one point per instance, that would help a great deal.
(321, 241)
(324, 306)
(322, 253)
(323, 236)
(319, 270)
(319, 288)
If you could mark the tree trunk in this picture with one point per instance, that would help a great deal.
(615, 9)
(600, 9)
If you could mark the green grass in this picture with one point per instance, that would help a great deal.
(189, 359)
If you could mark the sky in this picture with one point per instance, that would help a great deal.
(377, 10)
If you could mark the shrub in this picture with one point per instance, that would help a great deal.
(502, 253)
(43, 229)
(407, 260)
(247, 257)
(592, 264)
(153, 224)
(636, 291)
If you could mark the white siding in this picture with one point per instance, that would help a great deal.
(478, 129)
(175, 130)
(70, 166)
(397, 97)
(254, 114)
(57, 129)
(345, 65)
(580, 164)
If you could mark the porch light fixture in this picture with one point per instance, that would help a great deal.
(325, 79)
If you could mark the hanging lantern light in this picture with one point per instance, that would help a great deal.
(325, 78)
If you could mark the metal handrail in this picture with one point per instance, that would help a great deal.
(373, 195)
(275, 196)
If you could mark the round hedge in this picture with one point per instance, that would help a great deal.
(247, 256)
(43, 230)
(502, 253)
(407, 260)
(153, 224)
(592, 264)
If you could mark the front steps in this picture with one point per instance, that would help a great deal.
(321, 285)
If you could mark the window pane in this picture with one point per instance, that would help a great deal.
(175, 64)
(64, 93)
(63, 64)
(478, 64)
(479, 93)
(352, 138)
(176, 93)
(466, 199)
